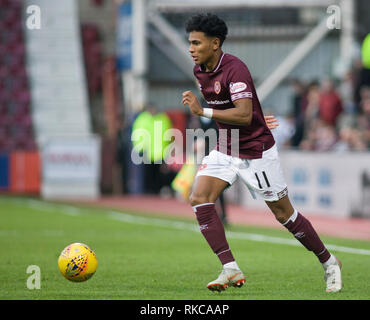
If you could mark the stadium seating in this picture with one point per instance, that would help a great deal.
(93, 56)
(16, 128)
(60, 108)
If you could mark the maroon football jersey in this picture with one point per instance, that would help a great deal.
(228, 82)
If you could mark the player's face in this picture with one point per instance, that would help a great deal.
(202, 48)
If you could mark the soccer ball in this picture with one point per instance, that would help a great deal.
(77, 262)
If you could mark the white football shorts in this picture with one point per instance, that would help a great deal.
(263, 177)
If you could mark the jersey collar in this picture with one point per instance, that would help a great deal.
(217, 66)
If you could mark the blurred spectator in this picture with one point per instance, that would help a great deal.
(285, 132)
(132, 174)
(362, 80)
(310, 115)
(311, 111)
(350, 139)
(319, 137)
(124, 147)
(331, 119)
(149, 146)
(364, 94)
(364, 121)
(299, 103)
(346, 92)
(354, 129)
(330, 105)
(325, 137)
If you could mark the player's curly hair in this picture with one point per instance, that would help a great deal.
(208, 23)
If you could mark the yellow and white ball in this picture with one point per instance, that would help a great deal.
(77, 262)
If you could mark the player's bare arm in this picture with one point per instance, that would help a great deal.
(240, 115)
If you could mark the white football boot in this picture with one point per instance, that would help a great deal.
(228, 277)
(333, 277)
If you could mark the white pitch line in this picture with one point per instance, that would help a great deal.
(45, 206)
(125, 217)
(161, 222)
(120, 216)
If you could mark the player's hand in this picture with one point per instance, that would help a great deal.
(271, 122)
(191, 100)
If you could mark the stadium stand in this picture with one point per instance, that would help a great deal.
(54, 56)
(16, 127)
(93, 57)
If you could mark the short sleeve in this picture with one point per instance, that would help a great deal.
(239, 82)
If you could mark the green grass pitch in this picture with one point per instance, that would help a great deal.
(151, 257)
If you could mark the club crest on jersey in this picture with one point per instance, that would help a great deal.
(237, 87)
(217, 87)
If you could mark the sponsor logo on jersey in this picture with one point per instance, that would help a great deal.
(218, 102)
(217, 87)
(237, 87)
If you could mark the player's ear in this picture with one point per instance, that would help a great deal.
(216, 43)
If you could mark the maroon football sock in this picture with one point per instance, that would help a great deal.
(213, 231)
(304, 232)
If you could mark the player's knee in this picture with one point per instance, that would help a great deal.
(196, 199)
(281, 218)
(281, 215)
(282, 209)
(278, 212)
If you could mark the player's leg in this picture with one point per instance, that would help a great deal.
(299, 226)
(305, 233)
(206, 191)
(265, 179)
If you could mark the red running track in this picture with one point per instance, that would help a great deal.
(351, 228)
